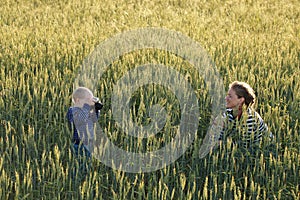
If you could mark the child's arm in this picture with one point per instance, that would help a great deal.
(81, 115)
(69, 117)
(94, 114)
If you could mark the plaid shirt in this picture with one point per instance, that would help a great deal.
(82, 122)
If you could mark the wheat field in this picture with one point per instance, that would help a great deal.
(42, 45)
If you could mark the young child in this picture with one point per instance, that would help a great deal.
(82, 119)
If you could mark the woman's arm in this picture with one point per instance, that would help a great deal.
(255, 129)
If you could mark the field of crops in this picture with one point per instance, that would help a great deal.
(42, 45)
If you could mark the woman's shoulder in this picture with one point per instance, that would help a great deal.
(253, 114)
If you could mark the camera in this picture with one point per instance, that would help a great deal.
(98, 104)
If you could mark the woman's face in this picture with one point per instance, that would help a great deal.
(232, 100)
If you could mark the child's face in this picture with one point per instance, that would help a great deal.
(89, 99)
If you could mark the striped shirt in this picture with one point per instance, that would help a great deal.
(249, 130)
(82, 122)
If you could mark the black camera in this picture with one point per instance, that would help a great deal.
(98, 104)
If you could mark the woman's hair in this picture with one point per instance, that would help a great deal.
(243, 89)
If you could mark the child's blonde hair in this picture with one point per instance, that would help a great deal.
(81, 93)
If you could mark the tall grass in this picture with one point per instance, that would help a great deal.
(43, 43)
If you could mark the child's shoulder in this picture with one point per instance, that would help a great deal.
(70, 109)
(69, 114)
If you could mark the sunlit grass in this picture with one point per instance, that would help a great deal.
(43, 43)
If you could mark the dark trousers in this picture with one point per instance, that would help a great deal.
(83, 158)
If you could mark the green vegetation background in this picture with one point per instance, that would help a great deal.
(42, 44)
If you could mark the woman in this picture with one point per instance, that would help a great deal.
(243, 124)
